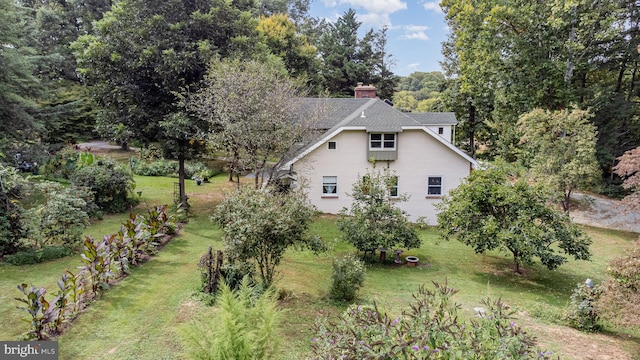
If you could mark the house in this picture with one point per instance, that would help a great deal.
(351, 132)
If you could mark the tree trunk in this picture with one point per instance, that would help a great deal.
(183, 193)
(472, 130)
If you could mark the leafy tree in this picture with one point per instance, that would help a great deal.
(374, 221)
(628, 168)
(253, 109)
(259, 226)
(280, 34)
(144, 54)
(429, 329)
(488, 212)
(559, 148)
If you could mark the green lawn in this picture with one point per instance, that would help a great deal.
(142, 316)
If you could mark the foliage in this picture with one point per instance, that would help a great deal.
(628, 168)
(347, 59)
(582, 313)
(12, 224)
(430, 329)
(233, 101)
(621, 291)
(41, 313)
(347, 278)
(18, 87)
(488, 211)
(95, 265)
(158, 167)
(62, 218)
(111, 185)
(63, 164)
(246, 327)
(559, 148)
(259, 226)
(35, 256)
(374, 221)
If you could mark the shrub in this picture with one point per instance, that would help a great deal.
(622, 291)
(150, 153)
(111, 185)
(63, 164)
(62, 218)
(348, 277)
(245, 327)
(12, 225)
(156, 168)
(582, 313)
(429, 329)
(35, 256)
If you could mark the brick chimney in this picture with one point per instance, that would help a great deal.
(365, 91)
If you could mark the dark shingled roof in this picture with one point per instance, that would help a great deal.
(434, 118)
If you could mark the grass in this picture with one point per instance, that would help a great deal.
(142, 316)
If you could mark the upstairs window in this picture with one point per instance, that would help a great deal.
(440, 130)
(332, 145)
(329, 185)
(434, 186)
(379, 141)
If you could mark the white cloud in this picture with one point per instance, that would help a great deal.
(432, 6)
(413, 66)
(330, 3)
(375, 20)
(415, 32)
(377, 6)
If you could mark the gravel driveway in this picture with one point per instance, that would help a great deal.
(604, 213)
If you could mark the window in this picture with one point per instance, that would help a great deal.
(332, 145)
(382, 141)
(440, 130)
(434, 186)
(329, 185)
(393, 186)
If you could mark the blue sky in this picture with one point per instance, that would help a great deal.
(416, 28)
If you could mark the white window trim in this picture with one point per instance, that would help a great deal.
(382, 141)
(327, 194)
(441, 186)
(397, 187)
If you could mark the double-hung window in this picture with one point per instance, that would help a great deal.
(330, 185)
(378, 141)
(393, 186)
(434, 186)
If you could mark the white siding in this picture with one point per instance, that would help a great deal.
(419, 156)
(447, 131)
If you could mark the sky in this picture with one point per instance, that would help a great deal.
(416, 28)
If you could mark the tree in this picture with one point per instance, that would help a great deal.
(252, 108)
(18, 87)
(628, 168)
(144, 54)
(560, 149)
(374, 221)
(259, 226)
(13, 226)
(489, 212)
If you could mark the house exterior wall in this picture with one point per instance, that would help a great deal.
(447, 131)
(419, 156)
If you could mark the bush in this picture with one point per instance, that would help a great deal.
(12, 225)
(62, 165)
(582, 313)
(622, 291)
(110, 184)
(155, 168)
(35, 256)
(245, 327)
(429, 329)
(348, 277)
